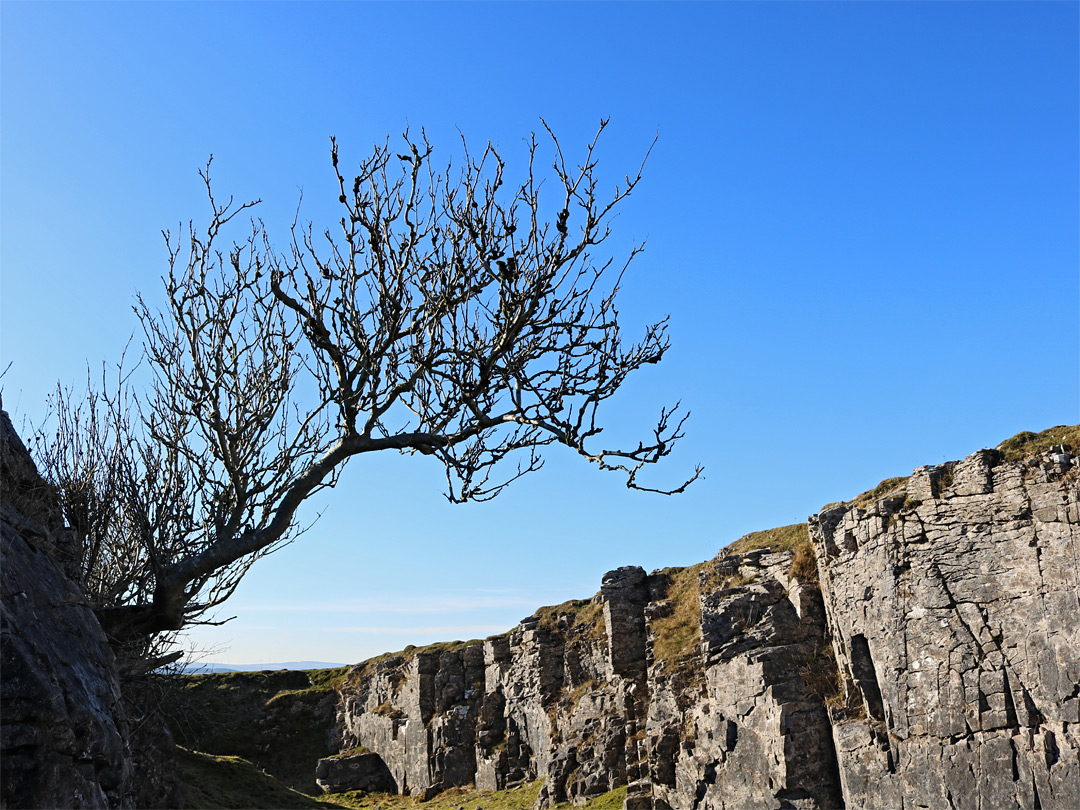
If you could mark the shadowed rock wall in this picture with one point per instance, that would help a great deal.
(68, 736)
(64, 731)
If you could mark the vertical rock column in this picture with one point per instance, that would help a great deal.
(492, 757)
(625, 596)
(761, 734)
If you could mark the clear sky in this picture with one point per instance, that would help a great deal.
(861, 217)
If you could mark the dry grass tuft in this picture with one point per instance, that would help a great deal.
(676, 636)
(804, 564)
(1026, 443)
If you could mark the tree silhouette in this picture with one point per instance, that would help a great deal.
(445, 314)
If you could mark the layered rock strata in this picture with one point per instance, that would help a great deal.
(922, 649)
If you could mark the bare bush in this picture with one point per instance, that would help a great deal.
(446, 314)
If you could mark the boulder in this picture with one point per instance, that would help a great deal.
(366, 772)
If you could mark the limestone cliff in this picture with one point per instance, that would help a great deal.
(930, 658)
(954, 610)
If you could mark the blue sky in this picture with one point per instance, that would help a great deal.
(861, 217)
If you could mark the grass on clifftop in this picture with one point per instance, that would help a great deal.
(579, 612)
(1023, 445)
(1026, 443)
(783, 538)
(887, 487)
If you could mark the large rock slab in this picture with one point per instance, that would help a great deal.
(365, 772)
(64, 732)
(954, 613)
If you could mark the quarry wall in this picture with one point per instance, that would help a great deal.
(918, 647)
(921, 650)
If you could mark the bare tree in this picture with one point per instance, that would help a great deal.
(445, 314)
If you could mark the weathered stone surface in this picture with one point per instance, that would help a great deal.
(63, 737)
(72, 734)
(568, 696)
(955, 618)
(758, 733)
(935, 663)
(365, 772)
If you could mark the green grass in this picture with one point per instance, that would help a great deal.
(520, 798)
(612, 800)
(232, 783)
(271, 719)
(226, 782)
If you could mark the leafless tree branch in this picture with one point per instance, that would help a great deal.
(448, 313)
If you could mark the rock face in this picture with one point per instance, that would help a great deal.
(758, 733)
(71, 733)
(921, 649)
(64, 735)
(593, 695)
(954, 610)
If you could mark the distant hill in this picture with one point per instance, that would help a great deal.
(204, 668)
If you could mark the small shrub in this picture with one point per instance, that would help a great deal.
(945, 479)
(574, 698)
(736, 581)
(388, 710)
(820, 675)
